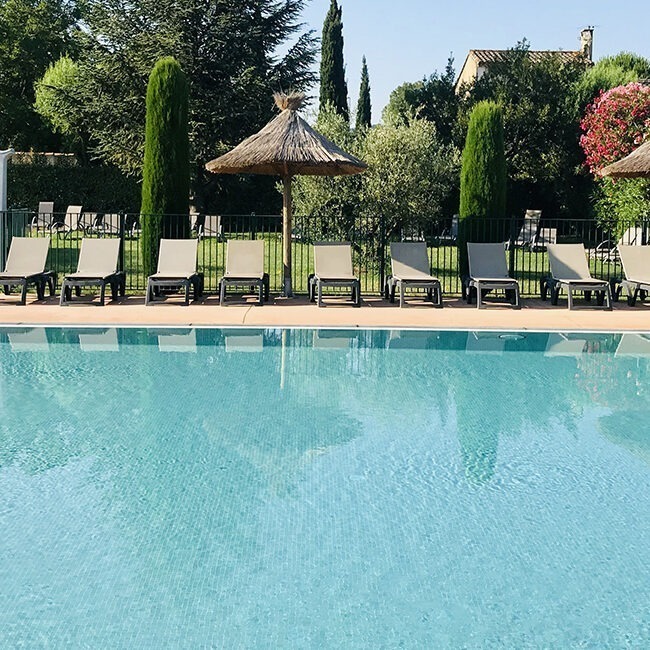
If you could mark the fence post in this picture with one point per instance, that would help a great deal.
(511, 247)
(382, 252)
(122, 239)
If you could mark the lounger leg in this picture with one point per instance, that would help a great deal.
(147, 297)
(632, 296)
(608, 298)
(260, 291)
(555, 294)
(23, 293)
(7, 289)
(320, 293)
(102, 293)
(517, 304)
(358, 296)
(570, 296)
(222, 292)
(186, 285)
(479, 296)
(543, 289)
(62, 298)
(401, 294)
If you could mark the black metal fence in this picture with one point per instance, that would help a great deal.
(526, 243)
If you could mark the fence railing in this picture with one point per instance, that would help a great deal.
(370, 238)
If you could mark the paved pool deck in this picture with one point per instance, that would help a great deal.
(298, 312)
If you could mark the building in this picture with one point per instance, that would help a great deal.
(478, 62)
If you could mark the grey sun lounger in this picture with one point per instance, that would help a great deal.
(636, 266)
(26, 265)
(245, 268)
(71, 221)
(97, 267)
(488, 270)
(410, 268)
(44, 216)
(570, 271)
(333, 268)
(176, 268)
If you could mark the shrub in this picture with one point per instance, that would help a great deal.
(166, 171)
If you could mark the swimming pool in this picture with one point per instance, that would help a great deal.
(309, 489)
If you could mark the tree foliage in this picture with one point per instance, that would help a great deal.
(33, 33)
(540, 125)
(333, 87)
(609, 72)
(166, 174)
(483, 176)
(364, 109)
(434, 99)
(409, 175)
(615, 124)
(228, 52)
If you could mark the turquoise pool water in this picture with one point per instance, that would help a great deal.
(311, 489)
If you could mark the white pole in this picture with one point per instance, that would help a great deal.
(4, 158)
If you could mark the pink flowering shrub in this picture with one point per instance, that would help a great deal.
(615, 124)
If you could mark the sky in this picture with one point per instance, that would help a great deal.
(406, 40)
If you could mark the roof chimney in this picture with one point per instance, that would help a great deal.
(587, 43)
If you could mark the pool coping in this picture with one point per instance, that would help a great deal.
(298, 313)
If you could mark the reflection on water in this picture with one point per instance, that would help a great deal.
(211, 467)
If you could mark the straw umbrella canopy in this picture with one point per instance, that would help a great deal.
(635, 165)
(287, 146)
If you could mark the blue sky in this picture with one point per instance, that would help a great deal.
(404, 40)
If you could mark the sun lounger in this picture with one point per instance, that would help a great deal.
(97, 267)
(608, 251)
(244, 341)
(410, 267)
(633, 345)
(333, 268)
(176, 340)
(28, 339)
(71, 222)
(570, 271)
(208, 225)
(176, 268)
(245, 268)
(488, 270)
(636, 266)
(99, 340)
(44, 216)
(26, 265)
(543, 238)
(529, 228)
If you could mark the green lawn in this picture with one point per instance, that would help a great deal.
(530, 266)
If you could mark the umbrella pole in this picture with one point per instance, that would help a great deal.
(286, 236)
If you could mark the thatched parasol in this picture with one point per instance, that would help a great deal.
(635, 165)
(287, 146)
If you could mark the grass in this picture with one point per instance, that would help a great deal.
(530, 266)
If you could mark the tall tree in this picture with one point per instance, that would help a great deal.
(364, 109)
(482, 178)
(229, 52)
(33, 33)
(333, 87)
(434, 99)
(166, 173)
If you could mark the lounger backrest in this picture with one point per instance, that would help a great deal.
(568, 261)
(636, 262)
(530, 225)
(212, 224)
(245, 258)
(333, 259)
(72, 216)
(633, 236)
(98, 257)
(407, 257)
(177, 257)
(487, 260)
(27, 255)
(46, 211)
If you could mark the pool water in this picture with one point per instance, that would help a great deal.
(311, 489)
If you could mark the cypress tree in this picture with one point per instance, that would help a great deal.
(166, 171)
(333, 88)
(482, 179)
(364, 110)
